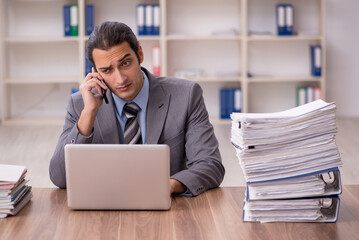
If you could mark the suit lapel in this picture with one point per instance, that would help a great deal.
(157, 108)
(106, 122)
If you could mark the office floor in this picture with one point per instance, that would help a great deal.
(33, 146)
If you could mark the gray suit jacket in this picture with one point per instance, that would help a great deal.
(176, 116)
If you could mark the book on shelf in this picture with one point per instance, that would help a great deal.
(285, 19)
(14, 191)
(230, 101)
(148, 19)
(316, 60)
(286, 158)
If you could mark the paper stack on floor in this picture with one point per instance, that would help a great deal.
(14, 193)
(287, 157)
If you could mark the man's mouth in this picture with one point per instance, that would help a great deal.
(124, 88)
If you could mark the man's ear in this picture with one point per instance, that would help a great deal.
(140, 53)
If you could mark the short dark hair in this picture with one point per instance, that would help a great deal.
(109, 34)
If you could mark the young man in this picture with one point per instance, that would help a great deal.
(164, 110)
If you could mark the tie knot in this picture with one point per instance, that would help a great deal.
(131, 110)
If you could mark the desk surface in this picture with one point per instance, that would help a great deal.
(216, 214)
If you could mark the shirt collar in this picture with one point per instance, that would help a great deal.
(141, 99)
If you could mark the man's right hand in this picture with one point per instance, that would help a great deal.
(92, 102)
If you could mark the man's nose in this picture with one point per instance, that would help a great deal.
(120, 76)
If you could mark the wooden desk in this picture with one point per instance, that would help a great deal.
(216, 214)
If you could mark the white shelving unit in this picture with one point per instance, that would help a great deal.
(40, 66)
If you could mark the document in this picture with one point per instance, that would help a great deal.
(290, 162)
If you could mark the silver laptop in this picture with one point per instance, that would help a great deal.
(121, 176)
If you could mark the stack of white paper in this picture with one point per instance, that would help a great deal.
(284, 144)
(14, 193)
(288, 154)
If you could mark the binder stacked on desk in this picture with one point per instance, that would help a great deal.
(290, 162)
(14, 191)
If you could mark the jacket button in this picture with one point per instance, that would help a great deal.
(72, 140)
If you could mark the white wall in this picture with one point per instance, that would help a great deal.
(343, 55)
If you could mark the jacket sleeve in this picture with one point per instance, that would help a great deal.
(204, 165)
(69, 135)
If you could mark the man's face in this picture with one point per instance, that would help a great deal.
(120, 69)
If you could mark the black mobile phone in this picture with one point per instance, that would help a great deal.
(104, 93)
(103, 90)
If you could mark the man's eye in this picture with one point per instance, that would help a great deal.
(126, 63)
(105, 71)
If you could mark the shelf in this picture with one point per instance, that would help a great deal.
(201, 37)
(148, 38)
(36, 39)
(34, 121)
(41, 80)
(270, 79)
(213, 79)
(284, 38)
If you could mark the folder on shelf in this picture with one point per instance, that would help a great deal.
(309, 94)
(88, 65)
(230, 101)
(316, 60)
(289, 19)
(67, 19)
(140, 11)
(281, 29)
(285, 19)
(74, 20)
(223, 103)
(301, 96)
(156, 60)
(149, 19)
(322, 183)
(317, 93)
(237, 100)
(321, 209)
(156, 19)
(89, 18)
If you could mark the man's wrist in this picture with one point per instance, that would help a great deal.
(86, 122)
(176, 186)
